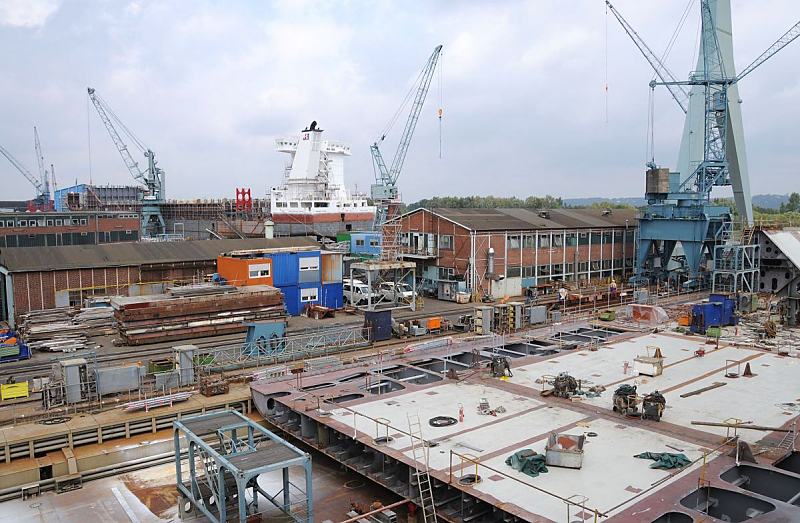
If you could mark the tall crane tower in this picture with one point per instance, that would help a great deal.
(712, 153)
(152, 177)
(44, 175)
(384, 191)
(42, 201)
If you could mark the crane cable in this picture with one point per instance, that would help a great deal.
(676, 33)
(401, 108)
(89, 136)
(440, 111)
(650, 148)
(606, 64)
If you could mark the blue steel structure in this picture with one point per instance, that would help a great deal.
(223, 483)
(679, 207)
(384, 191)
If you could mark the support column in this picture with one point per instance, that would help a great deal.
(287, 498)
(309, 491)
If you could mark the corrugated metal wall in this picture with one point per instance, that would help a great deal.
(284, 268)
(291, 299)
(332, 267)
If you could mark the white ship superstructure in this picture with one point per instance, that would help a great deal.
(313, 192)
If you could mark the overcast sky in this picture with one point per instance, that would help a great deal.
(210, 85)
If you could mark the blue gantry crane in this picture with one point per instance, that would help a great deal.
(152, 177)
(680, 209)
(384, 191)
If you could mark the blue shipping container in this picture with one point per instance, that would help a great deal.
(365, 243)
(284, 268)
(332, 295)
(291, 299)
(308, 265)
(309, 293)
(296, 297)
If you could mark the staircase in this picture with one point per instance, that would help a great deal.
(420, 453)
(748, 231)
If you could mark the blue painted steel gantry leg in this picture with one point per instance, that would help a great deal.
(223, 476)
(712, 154)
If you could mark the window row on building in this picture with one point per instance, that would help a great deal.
(67, 238)
(60, 221)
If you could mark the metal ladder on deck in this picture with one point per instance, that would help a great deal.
(420, 453)
(788, 441)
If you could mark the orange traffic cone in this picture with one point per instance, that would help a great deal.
(747, 372)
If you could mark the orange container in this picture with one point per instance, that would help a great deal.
(244, 271)
(434, 323)
(684, 320)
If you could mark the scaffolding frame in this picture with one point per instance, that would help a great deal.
(736, 268)
(377, 273)
(230, 469)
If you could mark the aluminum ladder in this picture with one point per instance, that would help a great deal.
(420, 453)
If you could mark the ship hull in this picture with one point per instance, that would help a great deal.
(323, 224)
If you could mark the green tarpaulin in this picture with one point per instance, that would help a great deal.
(665, 460)
(528, 462)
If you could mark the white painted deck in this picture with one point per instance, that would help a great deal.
(441, 400)
(609, 468)
(606, 365)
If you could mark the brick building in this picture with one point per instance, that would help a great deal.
(40, 229)
(34, 278)
(526, 248)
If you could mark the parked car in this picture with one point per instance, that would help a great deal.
(357, 292)
(399, 292)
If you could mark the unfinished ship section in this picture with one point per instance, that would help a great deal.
(313, 198)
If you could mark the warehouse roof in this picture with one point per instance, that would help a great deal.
(31, 259)
(528, 219)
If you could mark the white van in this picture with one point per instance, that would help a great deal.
(357, 292)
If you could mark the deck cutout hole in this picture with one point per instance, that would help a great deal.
(790, 462)
(469, 479)
(271, 399)
(674, 517)
(346, 397)
(766, 482)
(442, 421)
(726, 505)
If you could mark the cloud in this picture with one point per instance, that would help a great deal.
(27, 13)
(210, 85)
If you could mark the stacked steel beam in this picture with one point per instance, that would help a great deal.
(65, 329)
(205, 311)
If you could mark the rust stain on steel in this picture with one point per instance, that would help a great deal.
(159, 499)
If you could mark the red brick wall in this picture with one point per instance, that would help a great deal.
(458, 258)
(37, 290)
